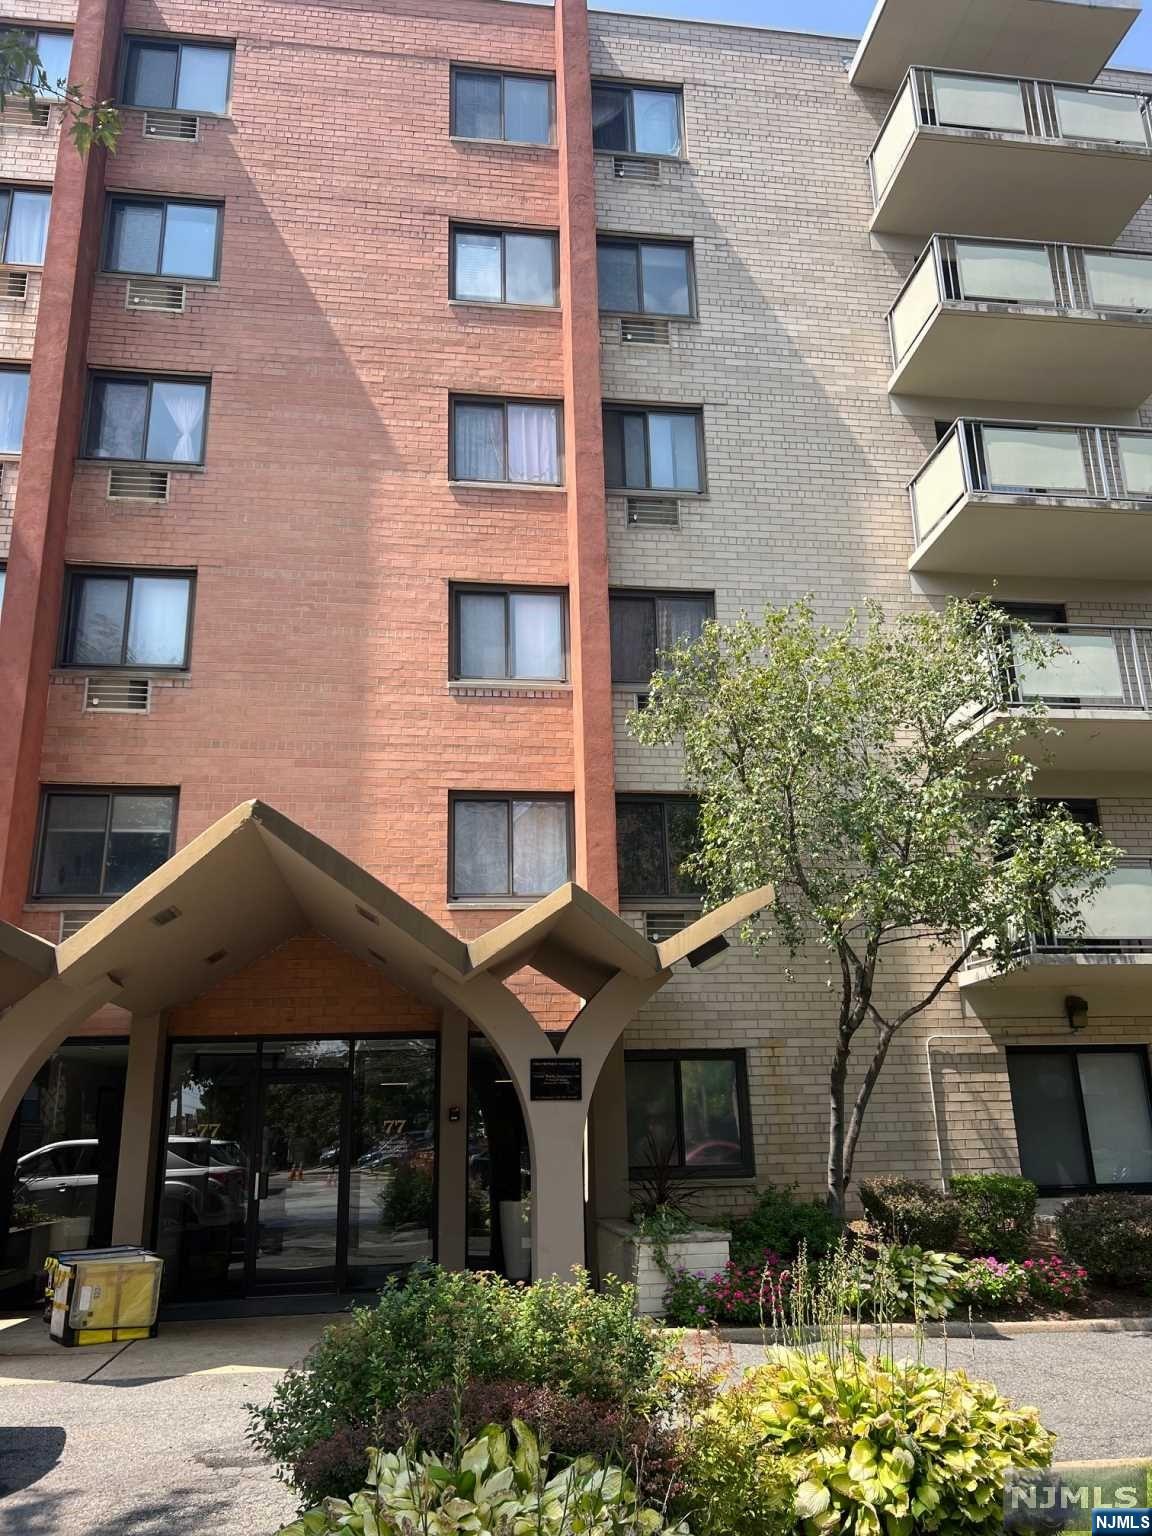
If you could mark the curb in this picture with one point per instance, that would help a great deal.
(950, 1330)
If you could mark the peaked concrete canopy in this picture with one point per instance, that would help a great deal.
(25, 961)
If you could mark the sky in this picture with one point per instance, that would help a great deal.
(841, 18)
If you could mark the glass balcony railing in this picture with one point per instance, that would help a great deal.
(1025, 459)
(954, 270)
(1035, 109)
(1117, 918)
(1096, 667)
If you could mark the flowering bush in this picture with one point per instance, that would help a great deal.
(1056, 1280)
(993, 1285)
(741, 1294)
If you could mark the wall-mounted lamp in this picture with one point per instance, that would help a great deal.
(1076, 1012)
(708, 955)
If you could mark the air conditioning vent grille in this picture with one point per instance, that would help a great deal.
(117, 695)
(14, 287)
(646, 333)
(184, 126)
(659, 926)
(635, 168)
(138, 484)
(72, 922)
(653, 512)
(155, 293)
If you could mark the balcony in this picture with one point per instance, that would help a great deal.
(1055, 324)
(1110, 957)
(1098, 694)
(1061, 39)
(995, 155)
(1002, 498)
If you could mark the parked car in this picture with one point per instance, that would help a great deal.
(62, 1178)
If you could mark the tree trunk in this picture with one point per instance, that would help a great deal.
(837, 1078)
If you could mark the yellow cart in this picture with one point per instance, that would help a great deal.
(103, 1295)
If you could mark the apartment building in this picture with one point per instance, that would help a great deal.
(414, 372)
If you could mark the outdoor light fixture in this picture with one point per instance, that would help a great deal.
(1076, 1012)
(708, 955)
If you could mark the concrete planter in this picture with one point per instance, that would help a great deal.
(631, 1257)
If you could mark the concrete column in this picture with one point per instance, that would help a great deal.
(140, 1132)
(452, 1154)
(590, 644)
(28, 628)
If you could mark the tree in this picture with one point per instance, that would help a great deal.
(872, 775)
(22, 76)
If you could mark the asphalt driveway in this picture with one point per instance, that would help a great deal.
(148, 1440)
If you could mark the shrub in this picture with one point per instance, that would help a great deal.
(736, 1484)
(740, 1294)
(780, 1223)
(1110, 1236)
(409, 1199)
(439, 1326)
(997, 1213)
(1056, 1280)
(904, 1282)
(878, 1446)
(906, 1211)
(993, 1285)
(440, 1421)
(495, 1484)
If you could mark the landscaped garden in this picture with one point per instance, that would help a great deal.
(465, 1403)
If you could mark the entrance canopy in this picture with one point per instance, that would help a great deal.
(255, 879)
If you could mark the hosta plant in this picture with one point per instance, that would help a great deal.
(880, 1448)
(905, 1282)
(497, 1484)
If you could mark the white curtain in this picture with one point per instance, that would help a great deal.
(13, 406)
(539, 846)
(673, 449)
(480, 848)
(537, 635)
(533, 444)
(1116, 1108)
(178, 406)
(479, 433)
(158, 626)
(28, 229)
(656, 115)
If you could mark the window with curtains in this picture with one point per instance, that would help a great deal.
(494, 266)
(24, 219)
(177, 76)
(13, 408)
(636, 119)
(653, 450)
(645, 624)
(147, 420)
(507, 440)
(645, 277)
(654, 836)
(508, 632)
(690, 1111)
(508, 845)
(3, 582)
(513, 109)
(159, 237)
(54, 51)
(97, 844)
(1083, 1116)
(126, 619)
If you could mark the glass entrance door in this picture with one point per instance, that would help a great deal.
(297, 1232)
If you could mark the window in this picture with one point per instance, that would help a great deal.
(492, 266)
(515, 109)
(126, 619)
(54, 50)
(100, 843)
(1083, 1116)
(24, 220)
(506, 633)
(652, 450)
(645, 624)
(654, 835)
(689, 1109)
(3, 583)
(636, 119)
(509, 846)
(185, 77)
(13, 406)
(159, 238)
(152, 420)
(517, 441)
(641, 277)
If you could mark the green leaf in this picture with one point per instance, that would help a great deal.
(811, 1499)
